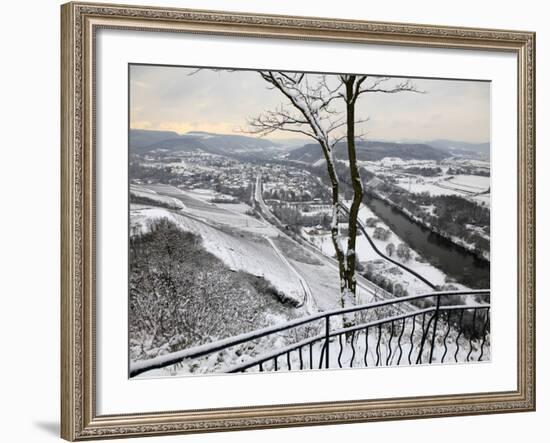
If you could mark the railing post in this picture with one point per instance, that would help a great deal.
(327, 336)
(435, 327)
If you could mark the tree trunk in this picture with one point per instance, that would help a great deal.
(327, 151)
(351, 256)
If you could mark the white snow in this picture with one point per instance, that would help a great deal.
(252, 255)
(141, 191)
(471, 182)
(365, 254)
(371, 348)
(240, 241)
(319, 162)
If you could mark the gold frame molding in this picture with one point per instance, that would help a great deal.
(79, 22)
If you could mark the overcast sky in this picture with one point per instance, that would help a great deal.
(168, 98)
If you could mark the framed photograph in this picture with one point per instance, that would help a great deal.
(282, 221)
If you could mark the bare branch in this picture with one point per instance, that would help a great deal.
(377, 86)
(197, 70)
(281, 120)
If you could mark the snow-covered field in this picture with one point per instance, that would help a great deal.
(246, 243)
(389, 163)
(250, 254)
(468, 186)
(472, 187)
(197, 203)
(432, 186)
(367, 254)
(140, 191)
(241, 242)
(476, 183)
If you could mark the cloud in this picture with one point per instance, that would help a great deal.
(183, 99)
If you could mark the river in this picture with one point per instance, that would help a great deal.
(456, 262)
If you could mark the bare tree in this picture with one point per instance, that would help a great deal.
(312, 111)
(309, 112)
(350, 89)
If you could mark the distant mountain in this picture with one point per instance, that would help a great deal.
(456, 147)
(371, 151)
(141, 138)
(232, 144)
(291, 143)
(143, 141)
(179, 143)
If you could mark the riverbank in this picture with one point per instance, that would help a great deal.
(467, 247)
(459, 264)
(380, 270)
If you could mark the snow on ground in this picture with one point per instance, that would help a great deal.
(389, 165)
(244, 247)
(324, 282)
(322, 278)
(366, 254)
(417, 263)
(432, 187)
(321, 241)
(471, 182)
(250, 254)
(472, 187)
(483, 199)
(203, 194)
(397, 343)
(141, 191)
(481, 164)
(311, 212)
(240, 241)
(233, 216)
(240, 208)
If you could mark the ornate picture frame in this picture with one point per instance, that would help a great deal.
(80, 23)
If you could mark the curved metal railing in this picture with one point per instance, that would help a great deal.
(434, 319)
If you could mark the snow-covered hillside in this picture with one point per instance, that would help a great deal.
(244, 242)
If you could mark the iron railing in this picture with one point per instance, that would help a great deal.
(428, 318)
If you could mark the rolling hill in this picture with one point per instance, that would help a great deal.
(142, 138)
(143, 141)
(371, 151)
(457, 148)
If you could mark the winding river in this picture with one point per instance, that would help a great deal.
(456, 262)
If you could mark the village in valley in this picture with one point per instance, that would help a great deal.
(296, 199)
(273, 228)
